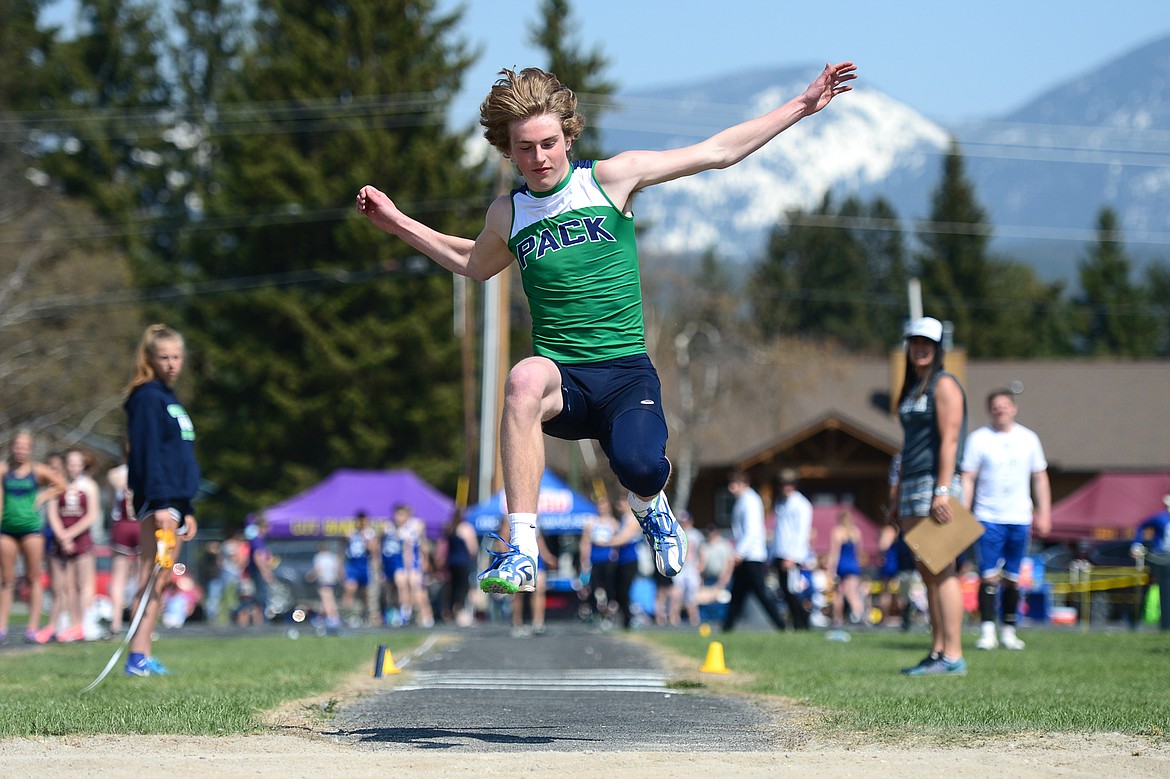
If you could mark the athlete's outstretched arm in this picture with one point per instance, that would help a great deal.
(480, 259)
(629, 172)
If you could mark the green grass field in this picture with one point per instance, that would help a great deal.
(1068, 682)
(225, 685)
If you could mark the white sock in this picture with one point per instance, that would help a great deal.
(523, 528)
(988, 628)
(637, 504)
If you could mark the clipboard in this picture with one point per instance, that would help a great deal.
(936, 546)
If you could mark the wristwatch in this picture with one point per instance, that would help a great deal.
(940, 491)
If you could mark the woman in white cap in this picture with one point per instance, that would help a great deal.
(933, 410)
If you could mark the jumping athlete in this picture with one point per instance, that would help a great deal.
(571, 230)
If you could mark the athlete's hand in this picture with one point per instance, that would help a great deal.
(376, 206)
(190, 527)
(829, 84)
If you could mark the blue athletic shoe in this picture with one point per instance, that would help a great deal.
(136, 665)
(930, 658)
(156, 668)
(940, 667)
(511, 571)
(666, 538)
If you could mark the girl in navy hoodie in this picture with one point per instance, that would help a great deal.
(163, 474)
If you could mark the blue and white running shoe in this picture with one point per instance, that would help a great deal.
(666, 538)
(136, 666)
(511, 571)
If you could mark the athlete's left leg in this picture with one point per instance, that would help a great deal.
(637, 453)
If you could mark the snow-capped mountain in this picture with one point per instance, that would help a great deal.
(1042, 172)
(856, 144)
(1100, 139)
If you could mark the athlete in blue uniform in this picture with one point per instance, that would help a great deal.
(358, 548)
(845, 566)
(397, 558)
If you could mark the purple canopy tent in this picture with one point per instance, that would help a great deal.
(327, 509)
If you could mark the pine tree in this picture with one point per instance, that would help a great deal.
(954, 266)
(1158, 287)
(110, 96)
(23, 51)
(344, 356)
(1117, 317)
(580, 70)
(835, 273)
(66, 326)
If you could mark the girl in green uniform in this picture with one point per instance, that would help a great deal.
(21, 530)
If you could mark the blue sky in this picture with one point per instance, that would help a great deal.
(951, 60)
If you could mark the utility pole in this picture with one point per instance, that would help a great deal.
(464, 326)
(496, 337)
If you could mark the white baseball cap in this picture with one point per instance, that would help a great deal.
(927, 327)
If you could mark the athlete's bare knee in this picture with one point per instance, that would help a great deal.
(526, 387)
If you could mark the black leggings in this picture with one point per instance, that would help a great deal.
(749, 579)
(460, 586)
(624, 576)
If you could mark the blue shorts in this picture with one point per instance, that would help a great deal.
(619, 404)
(391, 565)
(358, 571)
(1001, 549)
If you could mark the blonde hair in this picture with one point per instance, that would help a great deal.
(147, 348)
(531, 92)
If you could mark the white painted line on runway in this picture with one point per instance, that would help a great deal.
(600, 680)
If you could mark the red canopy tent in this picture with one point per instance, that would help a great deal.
(1108, 506)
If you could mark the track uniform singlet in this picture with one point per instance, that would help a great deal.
(72, 506)
(392, 551)
(579, 264)
(20, 509)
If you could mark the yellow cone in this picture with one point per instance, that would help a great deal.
(384, 662)
(714, 663)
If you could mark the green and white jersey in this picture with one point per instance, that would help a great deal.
(579, 263)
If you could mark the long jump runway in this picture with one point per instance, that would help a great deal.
(571, 689)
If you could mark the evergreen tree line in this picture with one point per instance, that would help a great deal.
(216, 146)
(842, 270)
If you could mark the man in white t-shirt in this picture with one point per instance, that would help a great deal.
(1003, 470)
(790, 545)
(751, 553)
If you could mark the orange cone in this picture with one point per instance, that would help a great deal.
(714, 663)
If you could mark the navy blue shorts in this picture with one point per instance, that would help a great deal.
(618, 403)
(180, 510)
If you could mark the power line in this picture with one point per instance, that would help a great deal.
(1081, 235)
(1087, 144)
(51, 306)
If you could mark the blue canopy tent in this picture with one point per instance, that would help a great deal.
(559, 509)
